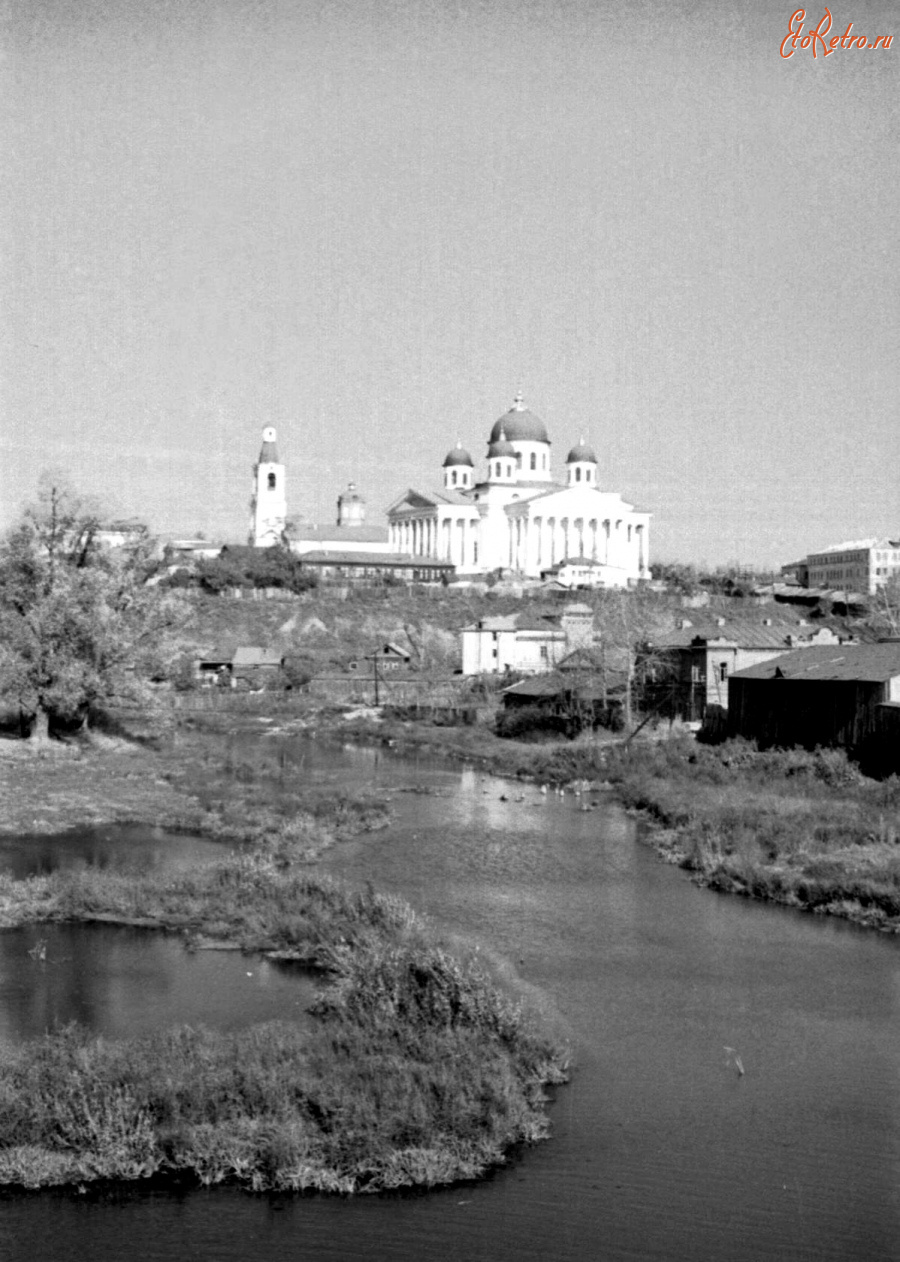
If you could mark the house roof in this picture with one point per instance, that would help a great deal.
(395, 560)
(547, 624)
(746, 630)
(254, 655)
(583, 561)
(555, 685)
(330, 533)
(390, 650)
(865, 663)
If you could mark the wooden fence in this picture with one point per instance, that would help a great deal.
(451, 692)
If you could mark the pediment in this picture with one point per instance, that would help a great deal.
(412, 500)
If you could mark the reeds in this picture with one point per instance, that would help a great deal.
(418, 1070)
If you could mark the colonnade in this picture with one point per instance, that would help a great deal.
(533, 543)
(415, 536)
(454, 540)
(537, 543)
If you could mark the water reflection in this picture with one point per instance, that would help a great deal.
(660, 1150)
(123, 848)
(120, 982)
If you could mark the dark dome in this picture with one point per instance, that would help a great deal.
(458, 455)
(501, 447)
(581, 452)
(520, 425)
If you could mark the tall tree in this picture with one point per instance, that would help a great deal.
(75, 616)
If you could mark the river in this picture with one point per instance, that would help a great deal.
(661, 1148)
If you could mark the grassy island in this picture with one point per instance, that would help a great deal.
(418, 1072)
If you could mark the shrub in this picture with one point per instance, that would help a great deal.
(529, 722)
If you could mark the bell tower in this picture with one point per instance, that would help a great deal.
(268, 508)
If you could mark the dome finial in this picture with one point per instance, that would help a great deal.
(519, 401)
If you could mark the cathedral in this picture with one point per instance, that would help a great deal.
(517, 518)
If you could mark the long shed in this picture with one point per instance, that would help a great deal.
(829, 695)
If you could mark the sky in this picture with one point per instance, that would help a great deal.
(370, 222)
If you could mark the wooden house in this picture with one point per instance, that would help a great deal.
(254, 667)
(689, 666)
(831, 695)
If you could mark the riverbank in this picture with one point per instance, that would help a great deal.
(418, 1072)
(189, 784)
(800, 828)
(803, 829)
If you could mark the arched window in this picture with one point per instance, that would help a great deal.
(587, 475)
(453, 477)
(271, 481)
(534, 460)
(497, 470)
(577, 475)
(509, 470)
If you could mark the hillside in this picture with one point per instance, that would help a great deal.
(331, 627)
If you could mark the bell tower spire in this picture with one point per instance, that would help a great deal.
(268, 507)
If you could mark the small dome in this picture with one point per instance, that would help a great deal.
(581, 452)
(520, 425)
(501, 446)
(458, 455)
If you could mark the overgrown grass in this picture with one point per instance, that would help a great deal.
(803, 828)
(419, 1072)
(194, 786)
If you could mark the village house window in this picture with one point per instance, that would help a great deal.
(271, 481)
(723, 671)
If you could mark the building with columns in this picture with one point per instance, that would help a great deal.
(517, 517)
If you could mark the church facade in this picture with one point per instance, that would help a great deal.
(517, 518)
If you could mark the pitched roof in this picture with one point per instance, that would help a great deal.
(397, 560)
(865, 663)
(747, 630)
(329, 533)
(556, 685)
(254, 655)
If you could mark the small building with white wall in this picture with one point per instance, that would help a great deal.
(523, 643)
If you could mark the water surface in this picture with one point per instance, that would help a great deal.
(661, 1149)
(134, 848)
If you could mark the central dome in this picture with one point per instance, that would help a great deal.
(520, 425)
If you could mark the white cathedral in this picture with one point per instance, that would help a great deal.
(518, 518)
